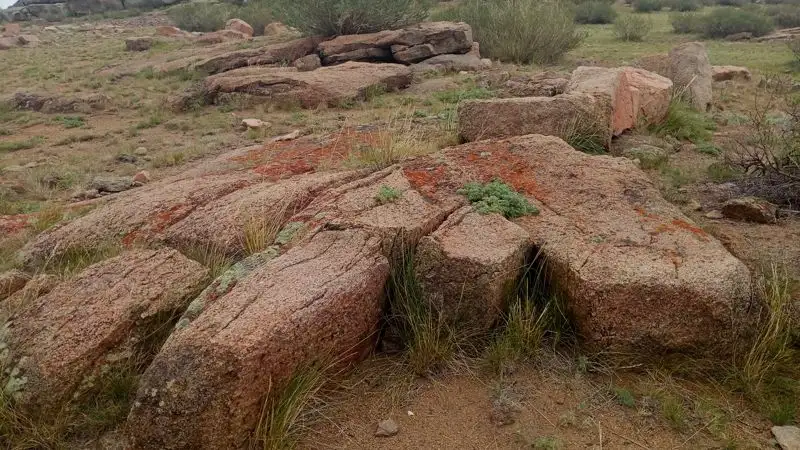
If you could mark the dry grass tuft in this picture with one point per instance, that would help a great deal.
(400, 140)
(260, 231)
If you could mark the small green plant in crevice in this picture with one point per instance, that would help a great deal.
(430, 341)
(685, 123)
(211, 256)
(624, 397)
(673, 410)
(71, 121)
(387, 194)
(289, 409)
(497, 197)
(584, 137)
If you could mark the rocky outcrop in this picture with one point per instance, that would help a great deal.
(54, 342)
(690, 70)
(468, 268)
(57, 104)
(56, 10)
(406, 46)
(271, 54)
(326, 86)
(750, 209)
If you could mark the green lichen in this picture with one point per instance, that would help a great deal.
(497, 197)
(288, 232)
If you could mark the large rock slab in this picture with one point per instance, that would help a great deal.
(556, 116)
(138, 215)
(468, 267)
(691, 71)
(284, 52)
(635, 273)
(635, 96)
(207, 386)
(223, 223)
(52, 343)
(407, 46)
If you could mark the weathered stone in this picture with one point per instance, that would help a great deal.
(11, 29)
(387, 428)
(788, 437)
(51, 12)
(54, 104)
(634, 272)
(469, 266)
(34, 288)
(325, 86)
(635, 96)
(170, 31)
(308, 63)
(139, 44)
(206, 386)
(55, 341)
(690, 70)
(725, 73)
(545, 84)
(218, 37)
(453, 63)
(11, 282)
(141, 177)
(270, 54)
(141, 214)
(556, 116)
(276, 29)
(239, 25)
(111, 184)
(412, 44)
(751, 209)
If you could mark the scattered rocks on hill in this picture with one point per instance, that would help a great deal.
(326, 86)
(751, 209)
(139, 44)
(406, 46)
(55, 104)
(690, 70)
(468, 266)
(57, 340)
(725, 73)
(7, 43)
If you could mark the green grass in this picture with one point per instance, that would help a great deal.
(75, 259)
(685, 123)
(71, 121)
(624, 397)
(497, 197)
(456, 95)
(387, 194)
(13, 146)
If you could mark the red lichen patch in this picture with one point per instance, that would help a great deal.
(646, 214)
(425, 180)
(283, 159)
(166, 218)
(14, 223)
(682, 224)
(495, 161)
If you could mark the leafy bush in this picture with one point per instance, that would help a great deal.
(646, 6)
(594, 12)
(785, 16)
(632, 28)
(519, 31)
(685, 23)
(685, 5)
(199, 16)
(497, 197)
(337, 17)
(727, 21)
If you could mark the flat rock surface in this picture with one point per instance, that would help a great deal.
(57, 339)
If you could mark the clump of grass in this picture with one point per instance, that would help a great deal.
(199, 16)
(647, 6)
(723, 22)
(673, 410)
(547, 443)
(153, 120)
(387, 194)
(456, 95)
(497, 197)
(47, 217)
(168, 160)
(76, 258)
(685, 123)
(210, 256)
(633, 28)
(260, 232)
(339, 17)
(584, 137)
(400, 140)
(71, 121)
(13, 146)
(288, 409)
(594, 12)
(624, 397)
(525, 326)
(519, 31)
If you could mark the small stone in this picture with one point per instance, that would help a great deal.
(139, 44)
(142, 177)
(788, 437)
(715, 214)
(308, 63)
(141, 151)
(750, 209)
(254, 123)
(410, 413)
(241, 26)
(694, 205)
(387, 428)
(111, 184)
(126, 158)
(287, 137)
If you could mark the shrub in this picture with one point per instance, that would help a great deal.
(732, 2)
(727, 21)
(497, 197)
(199, 16)
(519, 31)
(685, 5)
(646, 6)
(785, 16)
(632, 28)
(685, 23)
(337, 17)
(594, 12)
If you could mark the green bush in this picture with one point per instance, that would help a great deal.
(688, 22)
(632, 27)
(785, 16)
(497, 197)
(646, 6)
(732, 2)
(519, 31)
(257, 13)
(200, 16)
(338, 17)
(727, 21)
(685, 5)
(594, 12)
